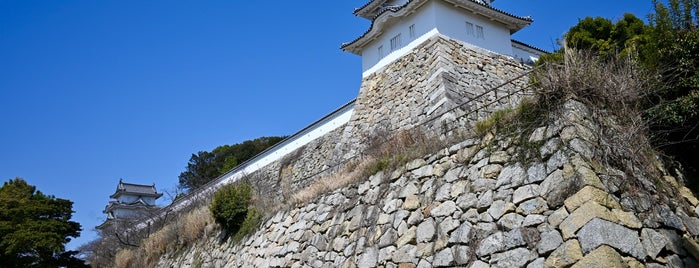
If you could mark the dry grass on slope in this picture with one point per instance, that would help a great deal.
(383, 153)
(172, 237)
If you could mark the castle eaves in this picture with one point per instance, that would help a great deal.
(511, 21)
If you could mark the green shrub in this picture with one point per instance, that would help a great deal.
(231, 205)
(253, 218)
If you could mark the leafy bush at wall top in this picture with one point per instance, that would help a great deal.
(231, 208)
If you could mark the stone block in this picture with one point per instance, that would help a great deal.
(582, 215)
(590, 193)
(538, 263)
(533, 206)
(533, 220)
(453, 174)
(411, 202)
(511, 221)
(447, 225)
(536, 173)
(462, 255)
(558, 216)
(490, 171)
(565, 255)
(537, 135)
(498, 208)
(458, 188)
(499, 157)
(552, 182)
(407, 237)
(556, 161)
(653, 242)
(627, 219)
(687, 194)
(582, 147)
(443, 258)
(491, 244)
(462, 235)
(405, 254)
(369, 258)
(525, 192)
(511, 176)
(603, 256)
(426, 230)
(408, 190)
(601, 232)
(444, 209)
(549, 147)
(485, 199)
(513, 258)
(550, 241)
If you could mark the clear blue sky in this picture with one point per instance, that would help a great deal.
(94, 91)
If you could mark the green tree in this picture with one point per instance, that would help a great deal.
(669, 46)
(35, 227)
(675, 108)
(205, 166)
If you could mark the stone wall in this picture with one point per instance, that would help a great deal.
(542, 198)
(439, 81)
(432, 81)
(298, 169)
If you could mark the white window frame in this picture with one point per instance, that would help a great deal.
(396, 43)
(469, 29)
(479, 32)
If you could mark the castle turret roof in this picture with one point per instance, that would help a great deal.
(380, 14)
(124, 188)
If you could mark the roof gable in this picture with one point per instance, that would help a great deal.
(388, 13)
(124, 188)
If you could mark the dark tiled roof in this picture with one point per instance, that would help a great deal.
(135, 189)
(530, 46)
(394, 9)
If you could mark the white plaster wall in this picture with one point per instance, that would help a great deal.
(451, 22)
(128, 199)
(424, 20)
(523, 55)
(435, 17)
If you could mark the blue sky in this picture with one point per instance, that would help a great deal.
(94, 91)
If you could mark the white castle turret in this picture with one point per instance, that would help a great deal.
(398, 26)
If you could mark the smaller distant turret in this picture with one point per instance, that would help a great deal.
(130, 202)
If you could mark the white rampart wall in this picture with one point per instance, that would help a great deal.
(318, 129)
(524, 54)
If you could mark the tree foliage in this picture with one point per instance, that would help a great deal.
(205, 166)
(669, 46)
(35, 227)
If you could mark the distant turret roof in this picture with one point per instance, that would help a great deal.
(124, 188)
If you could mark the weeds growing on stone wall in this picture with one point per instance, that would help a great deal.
(527, 115)
(174, 236)
(615, 88)
(384, 152)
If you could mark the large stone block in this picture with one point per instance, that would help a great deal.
(599, 232)
(582, 216)
(604, 256)
(590, 193)
(565, 255)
